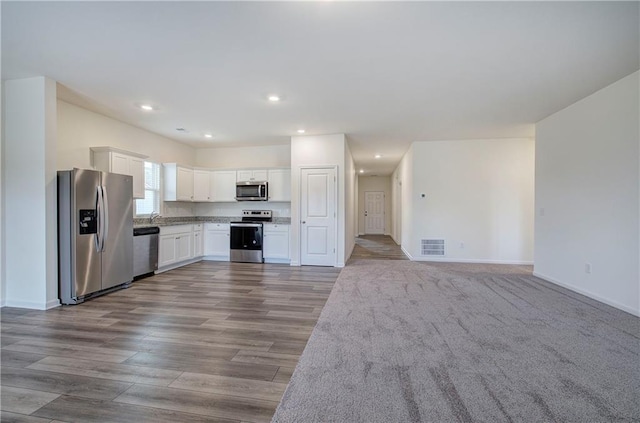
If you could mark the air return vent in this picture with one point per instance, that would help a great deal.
(432, 247)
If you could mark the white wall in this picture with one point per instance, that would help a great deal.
(244, 157)
(403, 206)
(3, 281)
(317, 150)
(79, 129)
(351, 206)
(478, 197)
(374, 183)
(587, 173)
(29, 193)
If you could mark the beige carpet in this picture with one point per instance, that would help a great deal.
(403, 341)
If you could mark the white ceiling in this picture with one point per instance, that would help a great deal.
(384, 73)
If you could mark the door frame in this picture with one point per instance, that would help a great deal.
(335, 208)
(384, 213)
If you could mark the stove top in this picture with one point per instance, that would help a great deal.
(255, 216)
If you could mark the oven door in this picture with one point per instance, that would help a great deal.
(246, 242)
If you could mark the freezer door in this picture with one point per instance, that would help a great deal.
(117, 255)
(84, 199)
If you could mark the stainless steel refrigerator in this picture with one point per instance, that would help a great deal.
(95, 233)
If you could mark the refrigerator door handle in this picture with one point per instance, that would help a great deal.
(105, 214)
(99, 219)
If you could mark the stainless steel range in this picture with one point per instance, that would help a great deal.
(246, 236)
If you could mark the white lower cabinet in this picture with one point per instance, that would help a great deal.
(175, 246)
(216, 241)
(275, 244)
(198, 240)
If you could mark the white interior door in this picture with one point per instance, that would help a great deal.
(318, 217)
(374, 212)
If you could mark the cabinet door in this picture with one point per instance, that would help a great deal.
(136, 170)
(201, 191)
(276, 244)
(244, 175)
(167, 250)
(223, 185)
(120, 164)
(280, 185)
(197, 243)
(184, 182)
(183, 247)
(259, 175)
(216, 242)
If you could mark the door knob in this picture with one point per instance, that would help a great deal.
(303, 222)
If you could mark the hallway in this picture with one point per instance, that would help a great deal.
(381, 247)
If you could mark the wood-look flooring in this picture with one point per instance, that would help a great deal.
(208, 342)
(381, 247)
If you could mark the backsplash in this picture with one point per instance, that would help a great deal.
(184, 209)
(235, 209)
(178, 209)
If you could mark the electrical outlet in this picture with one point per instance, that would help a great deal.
(587, 268)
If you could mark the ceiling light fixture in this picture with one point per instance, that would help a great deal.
(361, 170)
(274, 98)
(208, 136)
(146, 107)
(377, 156)
(300, 131)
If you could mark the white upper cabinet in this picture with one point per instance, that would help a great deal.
(112, 160)
(178, 182)
(251, 175)
(223, 185)
(201, 185)
(279, 184)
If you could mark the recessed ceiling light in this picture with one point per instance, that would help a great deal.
(274, 98)
(377, 156)
(146, 107)
(300, 131)
(361, 170)
(208, 136)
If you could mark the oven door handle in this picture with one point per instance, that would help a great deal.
(246, 225)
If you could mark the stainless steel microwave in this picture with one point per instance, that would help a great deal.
(252, 191)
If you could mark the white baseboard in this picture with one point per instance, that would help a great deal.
(476, 261)
(588, 294)
(182, 263)
(277, 261)
(460, 260)
(53, 304)
(32, 305)
(295, 264)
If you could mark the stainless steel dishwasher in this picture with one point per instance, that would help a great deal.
(145, 250)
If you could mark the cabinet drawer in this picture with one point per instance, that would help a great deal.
(275, 227)
(176, 229)
(217, 226)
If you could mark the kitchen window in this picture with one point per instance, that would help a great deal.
(151, 201)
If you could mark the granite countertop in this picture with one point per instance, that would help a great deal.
(141, 222)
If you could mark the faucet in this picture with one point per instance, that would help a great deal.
(152, 217)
